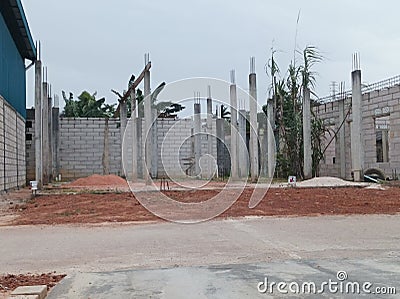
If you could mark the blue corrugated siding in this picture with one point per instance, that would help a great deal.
(12, 71)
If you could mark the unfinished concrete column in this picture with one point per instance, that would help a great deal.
(209, 133)
(254, 163)
(342, 139)
(147, 123)
(134, 136)
(50, 130)
(242, 151)
(38, 123)
(234, 129)
(356, 127)
(221, 148)
(197, 137)
(45, 132)
(123, 117)
(271, 146)
(55, 136)
(154, 129)
(106, 149)
(307, 168)
(154, 144)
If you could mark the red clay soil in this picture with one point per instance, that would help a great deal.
(111, 181)
(98, 208)
(10, 282)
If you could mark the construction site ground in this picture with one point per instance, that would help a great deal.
(108, 199)
(101, 200)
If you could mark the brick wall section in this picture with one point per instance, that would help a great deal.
(384, 102)
(82, 146)
(174, 145)
(30, 145)
(12, 143)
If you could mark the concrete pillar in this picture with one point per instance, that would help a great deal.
(209, 133)
(307, 168)
(134, 136)
(254, 163)
(50, 130)
(123, 117)
(197, 138)
(270, 138)
(38, 123)
(356, 127)
(147, 125)
(45, 133)
(154, 129)
(262, 136)
(242, 151)
(140, 147)
(55, 137)
(221, 156)
(154, 145)
(106, 149)
(234, 133)
(342, 139)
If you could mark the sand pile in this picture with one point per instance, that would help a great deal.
(328, 182)
(103, 181)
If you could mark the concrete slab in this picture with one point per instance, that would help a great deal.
(25, 297)
(40, 291)
(239, 281)
(104, 248)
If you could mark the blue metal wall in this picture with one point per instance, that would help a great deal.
(12, 71)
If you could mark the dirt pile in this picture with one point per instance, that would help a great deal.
(102, 181)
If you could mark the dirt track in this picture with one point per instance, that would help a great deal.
(123, 207)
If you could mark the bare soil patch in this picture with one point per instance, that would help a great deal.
(99, 182)
(123, 207)
(10, 282)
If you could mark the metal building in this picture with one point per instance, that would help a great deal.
(16, 46)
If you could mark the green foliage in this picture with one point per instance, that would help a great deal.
(225, 114)
(168, 109)
(139, 99)
(311, 56)
(318, 130)
(288, 109)
(86, 106)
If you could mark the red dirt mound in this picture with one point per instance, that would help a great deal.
(96, 180)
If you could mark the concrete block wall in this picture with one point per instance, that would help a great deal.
(12, 143)
(171, 136)
(30, 145)
(329, 113)
(82, 145)
(385, 102)
(180, 130)
(2, 145)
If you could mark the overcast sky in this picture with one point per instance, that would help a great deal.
(96, 45)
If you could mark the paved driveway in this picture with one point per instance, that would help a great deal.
(216, 259)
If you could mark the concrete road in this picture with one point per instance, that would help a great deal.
(367, 242)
